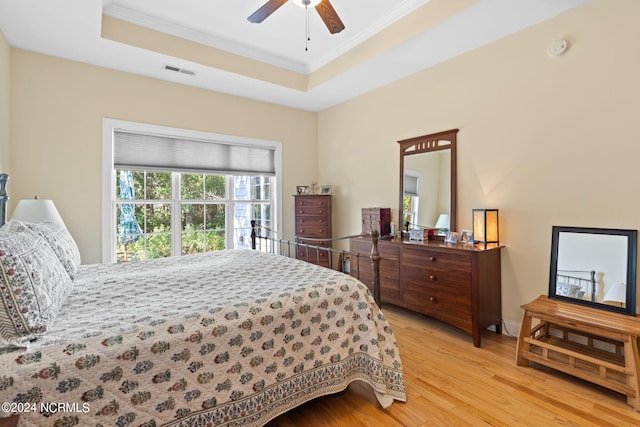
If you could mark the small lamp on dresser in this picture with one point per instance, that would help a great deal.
(37, 210)
(442, 223)
(617, 293)
(485, 226)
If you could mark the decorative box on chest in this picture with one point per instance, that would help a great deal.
(313, 219)
(378, 219)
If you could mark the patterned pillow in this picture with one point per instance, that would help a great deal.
(12, 226)
(33, 286)
(61, 241)
(568, 290)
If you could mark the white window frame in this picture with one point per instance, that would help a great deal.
(108, 172)
(416, 198)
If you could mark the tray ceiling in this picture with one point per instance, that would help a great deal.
(213, 46)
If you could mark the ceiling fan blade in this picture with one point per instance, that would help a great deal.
(267, 9)
(330, 17)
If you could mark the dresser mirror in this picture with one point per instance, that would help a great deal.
(428, 181)
(594, 267)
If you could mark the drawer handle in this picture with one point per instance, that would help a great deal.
(432, 259)
(301, 221)
(433, 299)
(320, 212)
(432, 277)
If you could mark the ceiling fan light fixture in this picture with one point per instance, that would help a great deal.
(306, 3)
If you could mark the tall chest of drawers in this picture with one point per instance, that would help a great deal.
(455, 283)
(313, 220)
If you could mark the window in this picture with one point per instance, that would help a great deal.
(165, 204)
(410, 199)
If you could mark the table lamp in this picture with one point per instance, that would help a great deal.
(37, 210)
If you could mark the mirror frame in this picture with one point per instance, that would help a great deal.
(426, 144)
(632, 238)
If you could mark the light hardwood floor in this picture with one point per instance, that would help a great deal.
(449, 382)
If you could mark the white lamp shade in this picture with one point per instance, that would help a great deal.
(616, 293)
(37, 210)
(443, 221)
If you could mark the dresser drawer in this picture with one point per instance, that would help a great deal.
(389, 268)
(312, 202)
(360, 246)
(389, 281)
(313, 256)
(425, 258)
(319, 232)
(311, 220)
(451, 281)
(438, 303)
(363, 246)
(311, 211)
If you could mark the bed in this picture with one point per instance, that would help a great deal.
(580, 284)
(227, 338)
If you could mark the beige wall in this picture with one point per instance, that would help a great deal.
(547, 141)
(5, 102)
(57, 113)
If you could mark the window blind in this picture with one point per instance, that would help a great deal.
(159, 152)
(410, 185)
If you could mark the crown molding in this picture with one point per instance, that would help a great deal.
(132, 16)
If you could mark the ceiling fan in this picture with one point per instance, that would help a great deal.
(324, 8)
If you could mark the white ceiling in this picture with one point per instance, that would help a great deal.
(71, 29)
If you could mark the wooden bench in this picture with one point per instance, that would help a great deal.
(596, 345)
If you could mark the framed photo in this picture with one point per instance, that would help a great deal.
(325, 189)
(452, 237)
(466, 237)
(302, 189)
(416, 234)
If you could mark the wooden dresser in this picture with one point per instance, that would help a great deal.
(458, 284)
(313, 219)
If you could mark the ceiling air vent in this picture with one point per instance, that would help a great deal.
(179, 70)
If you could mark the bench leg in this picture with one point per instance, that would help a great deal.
(632, 363)
(522, 346)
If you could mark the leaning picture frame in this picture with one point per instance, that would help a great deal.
(452, 237)
(325, 189)
(466, 237)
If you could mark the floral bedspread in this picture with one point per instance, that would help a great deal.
(229, 338)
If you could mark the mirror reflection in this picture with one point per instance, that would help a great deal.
(594, 267)
(428, 182)
(427, 189)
